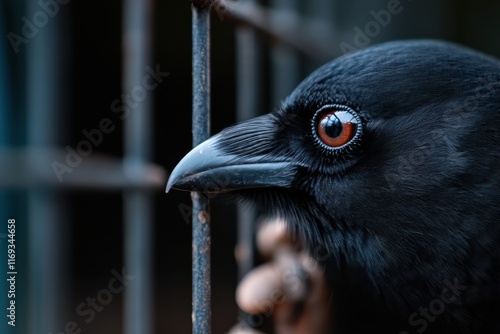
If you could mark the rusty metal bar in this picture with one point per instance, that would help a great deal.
(138, 204)
(202, 294)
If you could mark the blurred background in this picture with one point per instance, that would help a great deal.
(95, 110)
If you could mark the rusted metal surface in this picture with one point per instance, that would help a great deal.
(202, 294)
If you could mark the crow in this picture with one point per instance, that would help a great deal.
(386, 163)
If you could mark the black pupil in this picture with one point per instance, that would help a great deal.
(333, 126)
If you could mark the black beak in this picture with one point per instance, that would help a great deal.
(208, 168)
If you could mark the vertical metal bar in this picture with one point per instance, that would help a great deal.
(4, 88)
(138, 245)
(138, 206)
(5, 135)
(202, 321)
(324, 10)
(285, 61)
(45, 230)
(248, 106)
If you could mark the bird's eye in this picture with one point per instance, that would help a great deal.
(336, 126)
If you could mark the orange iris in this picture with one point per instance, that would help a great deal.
(335, 131)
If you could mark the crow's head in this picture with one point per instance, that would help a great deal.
(388, 158)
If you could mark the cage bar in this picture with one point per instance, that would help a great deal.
(288, 28)
(138, 206)
(285, 60)
(249, 103)
(47, 276)
(202, 294)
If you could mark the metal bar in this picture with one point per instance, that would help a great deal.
(248, 105)
(138, 218)
(138, 206)
(46, 254)
(282, 26)
(23, 168)
(323, 11)
(285, 61)
(6, 204)
(202, 321)
(5, 103)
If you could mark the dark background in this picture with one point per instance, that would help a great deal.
(92, 47)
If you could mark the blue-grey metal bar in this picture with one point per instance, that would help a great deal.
(46, 283)
(5, 140)
(285, 60)
(323, 11)
(4, 87)
(290, 29)
(20, 170)
(138, 216)
(138, 206)
(202, 321)
(248, 75)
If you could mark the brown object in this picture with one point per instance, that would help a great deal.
(290, 288)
